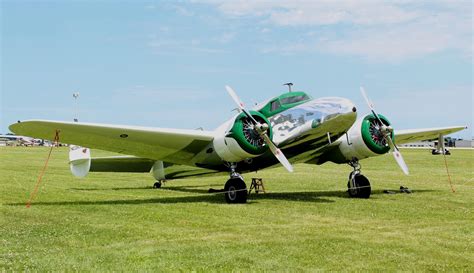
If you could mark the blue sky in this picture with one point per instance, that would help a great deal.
(165, 63)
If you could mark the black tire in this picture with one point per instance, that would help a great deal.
(362, 187)
(235, 191)
(157, 185)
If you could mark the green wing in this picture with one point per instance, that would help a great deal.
(169, 145)
(412, 135)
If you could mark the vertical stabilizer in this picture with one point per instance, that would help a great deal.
(79, 160)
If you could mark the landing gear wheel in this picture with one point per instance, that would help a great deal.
(361, 186)
(157, 185)
(235, 191)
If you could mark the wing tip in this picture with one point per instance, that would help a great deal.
(20, 123)
(12, 127)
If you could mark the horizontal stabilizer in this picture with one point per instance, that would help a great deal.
(129, 164)
(81, 163)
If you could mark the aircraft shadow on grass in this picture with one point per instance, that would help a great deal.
(189, 188)
(313, 197)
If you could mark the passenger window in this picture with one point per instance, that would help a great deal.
(294, 99)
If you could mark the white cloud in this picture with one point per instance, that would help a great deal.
(377, 30)
(322, 12)
(170, 46)
(182, 10)
(401, 41)
(226, 37)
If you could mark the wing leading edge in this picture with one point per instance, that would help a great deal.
(412, 135)
(170, 145)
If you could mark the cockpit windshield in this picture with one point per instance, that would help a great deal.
(294, 99)
(284, 102)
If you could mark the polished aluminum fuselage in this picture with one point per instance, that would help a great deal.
(333, 112)
(301, 131)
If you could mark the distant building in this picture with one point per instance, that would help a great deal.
(419, 144)
(449, 142)
(465, 143)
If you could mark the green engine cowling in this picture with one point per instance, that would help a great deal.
(241, 141)
(363, 140)
(371, 135)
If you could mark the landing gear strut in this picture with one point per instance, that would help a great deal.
(358, 185)
(235, 190)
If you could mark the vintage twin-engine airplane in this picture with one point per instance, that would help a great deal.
(291, 128)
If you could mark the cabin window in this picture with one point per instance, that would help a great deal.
(275, 105)
(294, 99)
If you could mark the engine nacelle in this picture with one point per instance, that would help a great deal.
(363, 140)
(239, 141)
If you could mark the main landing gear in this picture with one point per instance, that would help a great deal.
(358, 185)
(235, 190)
(158, 184)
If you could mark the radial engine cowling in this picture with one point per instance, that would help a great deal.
(364, 139)
(240, 141)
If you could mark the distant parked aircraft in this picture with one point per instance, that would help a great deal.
(22, 140)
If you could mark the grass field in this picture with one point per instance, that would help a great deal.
(306, 222)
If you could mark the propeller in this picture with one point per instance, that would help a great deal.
(387, 134)
(261, 129)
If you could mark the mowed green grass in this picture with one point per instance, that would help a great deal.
(306, 222)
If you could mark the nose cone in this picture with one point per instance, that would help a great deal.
(345, 105)
(336, 105)
(340, 112)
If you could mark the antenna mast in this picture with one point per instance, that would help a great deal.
(76, 96)
(290, 84)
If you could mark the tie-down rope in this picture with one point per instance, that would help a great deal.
(40, 178)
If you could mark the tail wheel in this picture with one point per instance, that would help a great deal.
(235, 191)
(361, 186)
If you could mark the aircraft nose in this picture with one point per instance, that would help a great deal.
(335, 107)
(347, 109)
(347, 106)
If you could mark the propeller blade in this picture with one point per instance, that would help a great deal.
(399, 158)
(397, 155)
(239, 103)
(386, 131)
(369, 103)
(235, 97)
(371, 106)
(278, 153)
